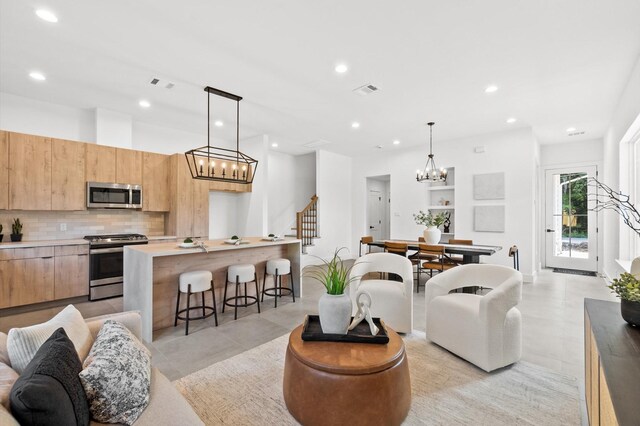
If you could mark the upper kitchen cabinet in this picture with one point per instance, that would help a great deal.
(129, 167)
(67, 175)
(29, 172)
(4, 170)
(189, 203)
(155, 182)
(100, 163)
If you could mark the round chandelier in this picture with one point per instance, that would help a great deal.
(431, 173)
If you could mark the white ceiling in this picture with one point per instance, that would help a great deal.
(557, 64)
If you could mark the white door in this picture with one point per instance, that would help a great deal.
(571, 236)
(375, 214)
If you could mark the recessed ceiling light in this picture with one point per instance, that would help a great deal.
(144, 103)
(491, 89)
(37, 76)
(341, 68)
(46, 15)
(571, 129)
(218, 123)
(275, 145)
(355, 124)
(396, 142)
(511, 120)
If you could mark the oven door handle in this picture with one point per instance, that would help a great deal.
(106, 250)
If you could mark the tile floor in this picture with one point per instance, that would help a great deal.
(552, 313)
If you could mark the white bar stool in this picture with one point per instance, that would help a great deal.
(277, 268)
(192, 283)
(241, 274)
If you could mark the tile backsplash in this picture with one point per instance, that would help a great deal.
(45, 225)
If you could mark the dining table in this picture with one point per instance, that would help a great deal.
(470, 253)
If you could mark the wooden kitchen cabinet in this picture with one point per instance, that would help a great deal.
(100, 163)
(29, 172)
(189, 202)
(129, 167)
(155, 182)
(26, 281)
(4, 170)
(68, 189)
(71, 276)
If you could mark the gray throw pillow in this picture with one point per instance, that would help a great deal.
(117, 375)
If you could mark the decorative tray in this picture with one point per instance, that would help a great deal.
(312, 332)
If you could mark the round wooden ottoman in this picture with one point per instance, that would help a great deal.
(329, 383)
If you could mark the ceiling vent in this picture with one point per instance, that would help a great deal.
(576, 133)
(317, 143)
(367, 89)
(162, 83)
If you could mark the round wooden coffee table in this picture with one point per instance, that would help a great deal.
(329, 383)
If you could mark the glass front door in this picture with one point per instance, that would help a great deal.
(571, 226)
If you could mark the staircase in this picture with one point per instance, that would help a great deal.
(307, 224)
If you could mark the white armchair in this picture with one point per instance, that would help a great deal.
(484, 330)
(390, 300)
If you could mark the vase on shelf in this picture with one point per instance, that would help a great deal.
(335, 313)
(432, 235)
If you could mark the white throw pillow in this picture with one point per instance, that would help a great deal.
(23, 343)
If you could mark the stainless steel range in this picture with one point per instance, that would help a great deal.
(106, 263)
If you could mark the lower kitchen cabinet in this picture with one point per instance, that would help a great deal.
(71, 276)
(26, 281)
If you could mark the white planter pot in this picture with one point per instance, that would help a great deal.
(432, 235)
(335, 313)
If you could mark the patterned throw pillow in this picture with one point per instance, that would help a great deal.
(117, 375)
(23, 343)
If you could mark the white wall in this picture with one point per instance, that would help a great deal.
(625, 113)
(113, 128)
(591, 151)
(223, 212)
(24, 115)
(253, 207)
(291, 184)
(333, 185)
(512, 152)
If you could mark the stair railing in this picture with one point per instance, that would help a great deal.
(307, 222)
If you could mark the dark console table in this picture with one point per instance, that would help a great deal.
(612, 365)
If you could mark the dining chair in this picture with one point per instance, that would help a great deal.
(396, 248)
(513, 252)
(440, 261)
(417, 258)
(365, 241)
(457, 257)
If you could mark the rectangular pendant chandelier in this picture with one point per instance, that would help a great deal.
(221, 164)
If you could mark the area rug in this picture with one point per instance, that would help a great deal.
(446, 390)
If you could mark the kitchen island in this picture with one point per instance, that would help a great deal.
(151, 273)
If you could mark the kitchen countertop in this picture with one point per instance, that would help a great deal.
(162, 237)
(42, 243)
(172, 249)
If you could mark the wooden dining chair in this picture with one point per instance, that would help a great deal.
(440, 260)
(396, 248)
(457, 257)
(365, 241)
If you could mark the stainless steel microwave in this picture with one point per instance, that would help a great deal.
(113, 196)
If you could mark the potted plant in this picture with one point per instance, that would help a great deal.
(334, 307)
(432, 234)
(627, 288)
(16, 230)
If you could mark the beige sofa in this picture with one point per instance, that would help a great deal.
(166, 405)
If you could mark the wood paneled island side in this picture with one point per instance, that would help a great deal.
(151, 273)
